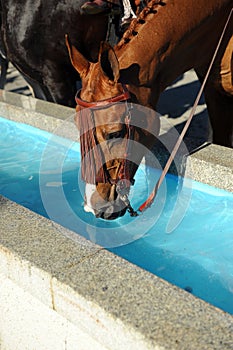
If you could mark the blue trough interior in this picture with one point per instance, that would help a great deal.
(186, 237)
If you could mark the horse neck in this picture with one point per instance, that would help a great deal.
(167, 43)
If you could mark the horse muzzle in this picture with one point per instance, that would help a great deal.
(111, 210)
(108, 210)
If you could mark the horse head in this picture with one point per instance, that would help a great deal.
(114, 133)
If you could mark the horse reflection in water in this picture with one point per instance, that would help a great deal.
(111, 151)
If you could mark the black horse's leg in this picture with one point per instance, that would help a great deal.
(53, 90)
(4, 68)
(38, 90)
(61, 85)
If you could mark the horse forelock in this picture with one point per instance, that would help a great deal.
(151, 8)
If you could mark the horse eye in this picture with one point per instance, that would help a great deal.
(115, 135)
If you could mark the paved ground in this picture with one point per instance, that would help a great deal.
(15, 82)
(174, 105)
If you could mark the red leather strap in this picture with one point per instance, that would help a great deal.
(103, 103)
(152, 196)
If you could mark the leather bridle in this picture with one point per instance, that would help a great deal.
(124, 96)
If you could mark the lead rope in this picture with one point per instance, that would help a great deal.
(151, 198)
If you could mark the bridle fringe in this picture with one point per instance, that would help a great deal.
(91, 164)
(92, 168)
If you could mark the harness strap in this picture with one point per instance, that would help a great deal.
(102, 103)
(151, 198)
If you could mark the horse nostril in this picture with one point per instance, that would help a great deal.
(98, 215)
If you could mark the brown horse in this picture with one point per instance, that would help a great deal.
(168, 38)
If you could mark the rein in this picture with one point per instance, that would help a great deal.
(152, 196)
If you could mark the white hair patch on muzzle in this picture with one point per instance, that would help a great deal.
(89, 191)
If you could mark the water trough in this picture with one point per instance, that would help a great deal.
(59, 290)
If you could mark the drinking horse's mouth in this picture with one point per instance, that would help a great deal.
(116, 206)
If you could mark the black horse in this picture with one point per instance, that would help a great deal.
(33, 39)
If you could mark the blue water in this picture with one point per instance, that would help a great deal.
(186, 237)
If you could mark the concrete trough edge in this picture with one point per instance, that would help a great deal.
(115, 303)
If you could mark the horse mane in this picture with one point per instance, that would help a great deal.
(151, 8)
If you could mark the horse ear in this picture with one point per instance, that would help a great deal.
(79, 62)
(109, 62)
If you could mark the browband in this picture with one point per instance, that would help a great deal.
(102, 103)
